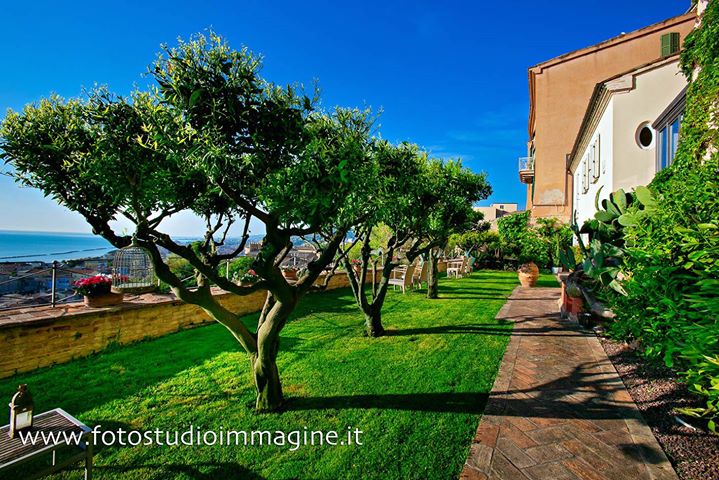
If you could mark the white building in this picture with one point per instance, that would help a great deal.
(616, 144)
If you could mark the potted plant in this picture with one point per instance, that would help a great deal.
(248, 278)
(289, 272)
(528, 274)
(530, 248)
(356, 266)
(575, 301)
(96, 291)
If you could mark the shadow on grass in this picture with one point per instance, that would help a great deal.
(469, 402)
(560, 330)
(211, 470)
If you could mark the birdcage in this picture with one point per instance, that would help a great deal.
(133, 271)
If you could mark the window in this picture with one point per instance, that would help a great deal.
(668, 142)
(585, 175)
(645, 136)
(668, 130)
(595, 155)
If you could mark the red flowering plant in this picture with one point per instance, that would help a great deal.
(93, 286)
(249, 277)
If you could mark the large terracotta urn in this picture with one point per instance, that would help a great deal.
(103, 300)
(528, 274)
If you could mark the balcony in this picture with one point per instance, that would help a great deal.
(526, 169)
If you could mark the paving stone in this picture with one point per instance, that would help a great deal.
(518, 437)
(550, 435)
(514, 454)
(548, 453)
(469, 473)
(480, 457)
(553, 470)
(503, 469)
(487, 434)
(558, 410)
(583, 470)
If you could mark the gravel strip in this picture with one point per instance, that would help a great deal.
(657, 390)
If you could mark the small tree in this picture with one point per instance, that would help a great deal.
(215, 139)
(457, 189)
(421, 204)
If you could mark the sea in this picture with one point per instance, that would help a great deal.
(18, 246)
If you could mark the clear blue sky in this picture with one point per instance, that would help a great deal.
(449, 75)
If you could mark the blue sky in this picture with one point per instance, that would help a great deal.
(449, 75)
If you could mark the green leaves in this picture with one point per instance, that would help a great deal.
(645, 196)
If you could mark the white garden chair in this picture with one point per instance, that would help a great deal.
(421, 275)
(457, 267)
(402, 278)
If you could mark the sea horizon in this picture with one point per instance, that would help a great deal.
(40, 246)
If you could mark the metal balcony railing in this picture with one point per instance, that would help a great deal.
(526, 169)
(526, 164)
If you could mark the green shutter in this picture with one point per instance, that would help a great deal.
(670, 44)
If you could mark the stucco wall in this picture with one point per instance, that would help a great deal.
(561, 92)
(604, 133)
(653, 92)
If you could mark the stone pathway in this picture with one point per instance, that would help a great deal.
(558, 410)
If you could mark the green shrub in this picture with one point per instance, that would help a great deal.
(670, 252)
(522, 242)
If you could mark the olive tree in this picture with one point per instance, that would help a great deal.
(457, 189)
(214, 138)
(419, 204)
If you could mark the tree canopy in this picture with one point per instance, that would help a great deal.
(215, 138)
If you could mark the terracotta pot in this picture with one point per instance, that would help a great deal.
(290, 274)
(575, 305)
(528, 274)
(104, 300)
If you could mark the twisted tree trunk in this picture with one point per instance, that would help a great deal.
(264, 363)
(432, 276)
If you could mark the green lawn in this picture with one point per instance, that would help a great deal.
(417, 394)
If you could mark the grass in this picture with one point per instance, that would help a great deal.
(416, 394)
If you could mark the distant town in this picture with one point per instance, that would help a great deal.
(30, 283)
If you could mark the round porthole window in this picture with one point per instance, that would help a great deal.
(645, 136)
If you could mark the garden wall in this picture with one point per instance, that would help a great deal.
(37, 337)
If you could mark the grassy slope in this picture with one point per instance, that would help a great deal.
(417, 394)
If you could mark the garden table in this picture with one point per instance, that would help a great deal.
(13, 452)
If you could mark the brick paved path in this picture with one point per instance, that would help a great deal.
(558, 409)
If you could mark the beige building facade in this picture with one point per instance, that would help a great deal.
(559, 92)
(496, 211)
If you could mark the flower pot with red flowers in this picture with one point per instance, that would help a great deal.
(357, 266)
(97, 291)
(249, 278)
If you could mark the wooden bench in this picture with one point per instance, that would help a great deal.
(13, 452)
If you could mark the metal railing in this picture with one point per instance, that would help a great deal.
(26, 297)
(54, 297)
(526, 164)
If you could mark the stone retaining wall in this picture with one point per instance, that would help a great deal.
(37, 337)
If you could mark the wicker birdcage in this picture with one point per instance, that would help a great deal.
(133, 271)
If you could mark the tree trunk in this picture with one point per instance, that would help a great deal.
(373, 322)
(432, 276)
(267, 383)
(264, 363)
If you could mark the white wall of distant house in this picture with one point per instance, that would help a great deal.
(601, 141)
